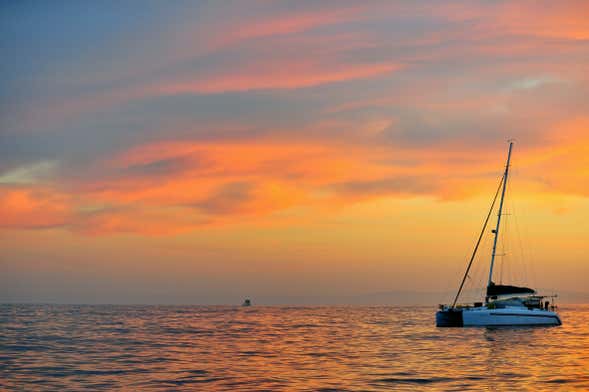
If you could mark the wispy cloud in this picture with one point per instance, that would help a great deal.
(232, 113)
(28, 174)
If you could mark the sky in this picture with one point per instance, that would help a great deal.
(204, 152)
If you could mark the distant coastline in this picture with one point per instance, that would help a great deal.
(392, 298)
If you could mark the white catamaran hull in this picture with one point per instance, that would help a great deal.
(484, 317)
(509, 316)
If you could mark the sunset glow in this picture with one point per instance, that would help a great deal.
(204, 152)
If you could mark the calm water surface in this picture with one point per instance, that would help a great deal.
(48, 347)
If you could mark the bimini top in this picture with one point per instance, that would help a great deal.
(500, 289)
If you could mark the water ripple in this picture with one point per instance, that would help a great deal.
(202, 348)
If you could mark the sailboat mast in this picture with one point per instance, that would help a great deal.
(496, 231)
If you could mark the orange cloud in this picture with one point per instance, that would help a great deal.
(33, 208)
(177, 186)
(563, 166)
(567, 19)
(213, 183)
(138, 220)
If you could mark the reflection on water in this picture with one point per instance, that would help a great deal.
(46, 347)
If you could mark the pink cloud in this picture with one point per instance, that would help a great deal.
(277, 76)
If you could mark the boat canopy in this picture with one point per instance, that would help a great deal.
(500, 289)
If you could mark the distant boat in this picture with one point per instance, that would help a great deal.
(504, 304)
(247, 302)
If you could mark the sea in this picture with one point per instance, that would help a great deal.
(279, 348)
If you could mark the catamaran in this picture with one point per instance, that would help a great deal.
(504, 305)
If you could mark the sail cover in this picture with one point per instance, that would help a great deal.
(500, 289)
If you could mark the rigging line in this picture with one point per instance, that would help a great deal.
(521, 250)
(475, 278)
(501, 240)
(479, 240)
(502, 255)
(529, 251)
(481, 271)
(505, 267)
(517, 266)
(523, 259)
(510, 260)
